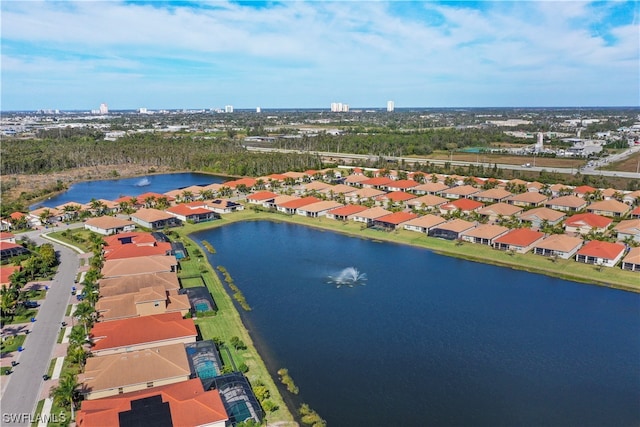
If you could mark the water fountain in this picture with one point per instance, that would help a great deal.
(350, 276)
(143, 182)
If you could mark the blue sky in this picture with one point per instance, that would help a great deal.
(298, 54)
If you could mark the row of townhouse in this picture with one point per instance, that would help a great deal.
(148, 367)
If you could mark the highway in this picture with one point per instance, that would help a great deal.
(412, 160)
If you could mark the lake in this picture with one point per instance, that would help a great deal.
(428, 339)
(111, 189)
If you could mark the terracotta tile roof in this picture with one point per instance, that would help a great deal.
(122, 199)
(150, 215)
(493, 193)
(542, 214)
(636, 211)
(339, 189)
(189, 403)
(138, 265)
(378, 181)
(567, 201)
(373, 213)
(560, 242)
(128, 284)
(133, 250)
(430, 187)
(427, 200)
(136, 237)
(5, 235)
(609, 192)
(397, 196)
(284, 198)
(457, 225)
(534, 186)
(136, 367)
(598, 249)
(528, 197)
(294, 175)
(397, 217)
(517, 181)
(583, 189)
(464, 205)
(426, 221)
(522, 237)
(17, 215)
(249, 182)
(588, 219)
(139, 330)
(108, 222)
(52, 212)
(356, 178)
(6, 271)
(366, 193)
(215, 187)
(633, 257)
(298, 203)
(463, 190)
(559, 187)
(628, 226)
(275, 177)
(316, 186)
(500, 208)
(347, 210)
(262, 195)
(403, 184)
(185, 210)
(610, 205)
(149, 194)
(320, 206)
(486, 231)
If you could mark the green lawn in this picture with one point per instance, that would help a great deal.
(192, 282)
(12, 343)
(22, 317)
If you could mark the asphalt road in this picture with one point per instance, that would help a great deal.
(23, 389)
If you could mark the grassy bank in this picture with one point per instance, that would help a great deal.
(564, 269)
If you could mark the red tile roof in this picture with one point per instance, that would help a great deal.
(134, 251)
(185, 210)
(295, 204)
(140, 330)
(379, 181)
(403, 183)
(4, 235)
(17, 215)
(156, 196)
(189, 403)
(604, 250)
(249, 182)
(590, 219)
(137, 237)
(463, 205)
(6, 271)
(262, 195)
(583, 189)
(522, 237)
(397, 217)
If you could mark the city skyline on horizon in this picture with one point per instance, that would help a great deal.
(158, 55)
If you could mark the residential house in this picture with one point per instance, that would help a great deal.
(144, 302)
(558, 190)
(248, 182)
(631, 262)
(116, 374)
(337, 190)
(499, 210)
(292, 206)
(107, 225)
(528, 199)
(493, 195)
(193, 212)
(394, 198)
(520, 240)
(539, 216)
(318, 209)
(9, 250)
(130, 284)
(465, 206)
(585, 223)
(223, 206)
(583, 190)
(154, 219)
(484, 234)
(150, 198)
(364, 194)
(451, 230)
(279, 200)
(345, 213)
(261, 197)
(402, 185)
(427, 202)
(567, 204)
(393, 221)
(379, 183)
(597, 252)
(139, 333)
(632, 198)
(314, 187)
(369, 215)
(463, 191)
(6, 271)
(635, 214)
(611, 208)
(136, 250)
(432, 188)
(424, 223)
(560, 245)
(355, 180)
(7, 237)
(180, 404)
(139, 265)
(43, 216)
(628, 229)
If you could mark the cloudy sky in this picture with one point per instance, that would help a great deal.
(298, 54)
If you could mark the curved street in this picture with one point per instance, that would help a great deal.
(21, 389)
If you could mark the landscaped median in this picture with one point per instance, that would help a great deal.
(569, 269)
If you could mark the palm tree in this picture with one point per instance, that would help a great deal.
(44, 216)
(162, 203)
(8, 300)
(85, 314)
(64, 393)
(77, 354)
(150, 201)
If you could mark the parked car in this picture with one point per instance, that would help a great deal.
(31, 304)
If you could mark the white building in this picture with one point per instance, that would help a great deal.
(390, 106)
(339, 107)
(540, 143)
(258, 109)
(228, 108)
(104, 108)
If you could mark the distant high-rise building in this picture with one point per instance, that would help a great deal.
(142, 110)
(339, 107)
(539, 143)
(228, 108)
(390, 106)
(104, 108)
(258, 109)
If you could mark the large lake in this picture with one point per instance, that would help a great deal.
(430, 340)
(83, 192)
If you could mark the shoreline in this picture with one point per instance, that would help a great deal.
(561, 269)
